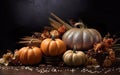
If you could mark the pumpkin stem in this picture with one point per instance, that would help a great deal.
(30, 43)
(53, 37)
(74, 49)
(79, 25)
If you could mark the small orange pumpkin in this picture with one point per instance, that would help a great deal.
(53, 47)
(29, 55)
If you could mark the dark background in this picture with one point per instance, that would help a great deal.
(21, 17)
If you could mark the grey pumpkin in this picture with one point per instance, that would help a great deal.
(84, 38)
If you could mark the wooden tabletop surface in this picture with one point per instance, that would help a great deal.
(53, 70)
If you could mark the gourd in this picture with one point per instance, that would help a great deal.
(84, 38)
(29, 55)
(53, 46)
(74, 58)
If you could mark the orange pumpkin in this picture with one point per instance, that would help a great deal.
(53, 47)
(29, 55)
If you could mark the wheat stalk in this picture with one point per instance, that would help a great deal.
(34, 41)
(28, 39)
(61, 21)
(54, 23)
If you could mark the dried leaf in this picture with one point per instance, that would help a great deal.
(2, 60)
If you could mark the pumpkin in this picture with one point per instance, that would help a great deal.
(53, 46)
(83, 37)
(74, 58)
(29, 55)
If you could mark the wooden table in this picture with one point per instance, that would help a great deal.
(55, 70)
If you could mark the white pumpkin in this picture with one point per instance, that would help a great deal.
(74, 58)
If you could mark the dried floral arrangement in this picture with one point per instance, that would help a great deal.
(101, 53)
